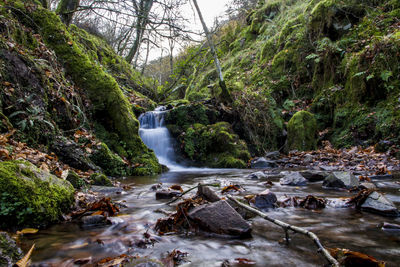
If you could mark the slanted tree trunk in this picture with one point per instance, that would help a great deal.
(45, 3)
(142, 21)
(66, 10)
(225, 95)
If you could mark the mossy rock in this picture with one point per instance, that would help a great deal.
(10, 253)
(100, 179)
(76, 181)
(214, 145)
(111, 163)
(302, 131)
(31, 197)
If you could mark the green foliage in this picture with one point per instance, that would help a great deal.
(31, 197)
(76, 181)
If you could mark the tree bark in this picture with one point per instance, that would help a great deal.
(66, 10)
(142, 21)
(225, 95)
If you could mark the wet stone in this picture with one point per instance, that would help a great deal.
(367, 185)
(219, 217)
(262, 163)
(264, 201)
(314, 176)
(9, 251)
(390, 226)
(341, 180)
(167, 194)
(207, 193)
(257, 175)
(378, 203)
(294, 179)
(93, 220)
(274, 155)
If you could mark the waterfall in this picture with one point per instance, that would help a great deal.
(156, 136)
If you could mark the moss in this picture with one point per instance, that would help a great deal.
(302, 131)
(30, 196)
(214, 145)
(112, 164)
(76, 181)
(110, 108)
(100, 179)
(9, 251)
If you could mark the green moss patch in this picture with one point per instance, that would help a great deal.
(30, 196)
(302, 131)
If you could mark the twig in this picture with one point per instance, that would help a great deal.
(187, 191)
(287, 227)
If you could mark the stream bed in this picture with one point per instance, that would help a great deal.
(63, 244)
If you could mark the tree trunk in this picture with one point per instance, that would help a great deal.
(225, 95)
(66, 10)
(45, 3)
(142, 21)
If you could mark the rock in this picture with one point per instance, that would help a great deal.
(302, 131)
(273, 155)
(390, 226)
(261, 163)
(72, 154)
(367, 185)
(242, 211)
(264, 201)
(293, 178)
(154, 187)
(257, 175)
(314, 176)
(380, 177)
(93, 220)
(76, 181)
(31, 197)
(328, 168)
(308, 158)
(100, 179)
(341, 180)
(111, 163)
(378, 203)
(207, 193)
(219, 217)
(106, 190)
(167, 194)
(10, 253)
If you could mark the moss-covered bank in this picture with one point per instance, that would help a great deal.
(117, 125)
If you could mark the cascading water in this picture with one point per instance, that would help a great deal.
(156, 136)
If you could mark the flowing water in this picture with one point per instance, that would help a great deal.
(62, 244)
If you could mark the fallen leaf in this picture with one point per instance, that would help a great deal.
(27, 231)
(25, 261)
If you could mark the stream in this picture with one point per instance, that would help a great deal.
(63, 244)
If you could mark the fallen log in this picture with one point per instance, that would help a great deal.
(293, 228)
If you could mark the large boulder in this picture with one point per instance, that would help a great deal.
(302, 131)
(72, 154)
(314, 176)
(219, 217)
(378, 203)
(293, 178)
(10, 253)
(30, 196)
(341, 180)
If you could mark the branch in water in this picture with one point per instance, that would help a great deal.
(287, 227)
